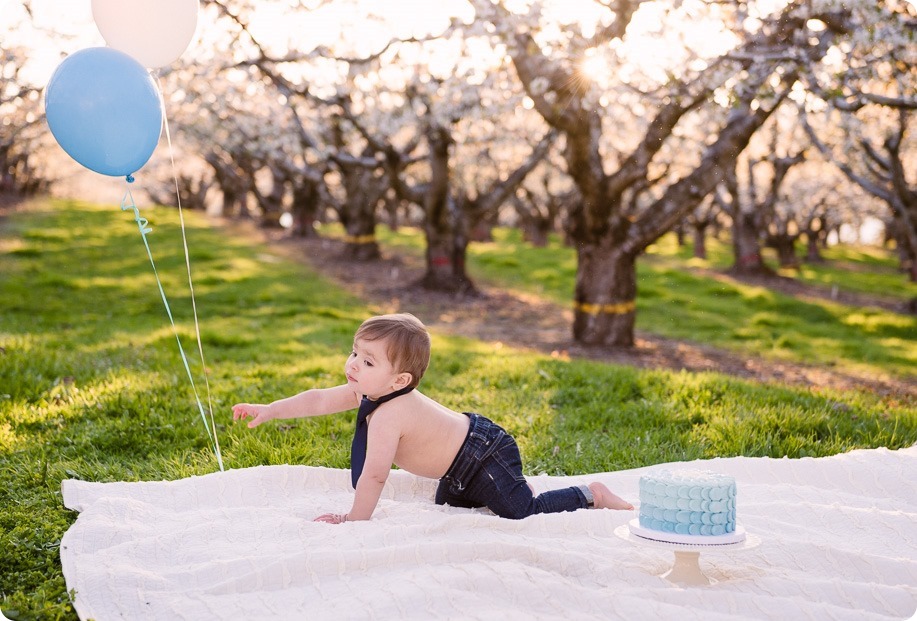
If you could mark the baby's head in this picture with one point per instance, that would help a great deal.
(407, 343)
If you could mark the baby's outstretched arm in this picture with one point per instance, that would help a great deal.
(313, 402)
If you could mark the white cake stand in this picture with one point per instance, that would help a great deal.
(686, 570)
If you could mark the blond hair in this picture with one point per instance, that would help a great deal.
(407, 342)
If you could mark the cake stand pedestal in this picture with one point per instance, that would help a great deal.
(686, 569)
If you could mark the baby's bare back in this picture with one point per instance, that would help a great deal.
(430, 434)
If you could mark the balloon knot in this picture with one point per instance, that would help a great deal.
(130, 178)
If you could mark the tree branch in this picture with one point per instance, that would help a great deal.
(855, 102)
(624, 12)
(873, 188)
(682, 195)
(500, 190)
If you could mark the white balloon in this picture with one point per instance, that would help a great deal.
(154, 32)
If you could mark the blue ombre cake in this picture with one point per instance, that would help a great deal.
(688, 502)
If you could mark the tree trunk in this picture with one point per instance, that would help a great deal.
(445, 226)
(535, 222)
(700, 241)
(358, 215)
(391, 206)
(360, 241)
(680, 234)
(234, 203)
(785, 245)
(605, 296)
(907, 256)
(305, 207)
(193, 192)
(447, 247)
(6, 178)
(746, 246)
(445, 254)
(813, 249)
(482, 231)
(537, 232)
(271, 204)
(906, 242)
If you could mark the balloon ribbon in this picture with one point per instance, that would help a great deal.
(127, 203)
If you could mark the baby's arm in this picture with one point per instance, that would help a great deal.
(313, 402)
(382, 444)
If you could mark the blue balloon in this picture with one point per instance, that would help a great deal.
(103, 109)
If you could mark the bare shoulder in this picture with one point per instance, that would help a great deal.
(408, 409)
(340, 398)
(397, 408)
(418, 404)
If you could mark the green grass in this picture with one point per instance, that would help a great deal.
(92, 386)
(856, 269)
(678, 303)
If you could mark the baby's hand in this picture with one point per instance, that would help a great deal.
(257, 413)
(332, 518)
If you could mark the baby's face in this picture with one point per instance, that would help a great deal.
(369, 370)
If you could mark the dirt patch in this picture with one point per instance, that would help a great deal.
(528, 322)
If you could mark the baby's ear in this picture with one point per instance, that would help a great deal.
(403, 380)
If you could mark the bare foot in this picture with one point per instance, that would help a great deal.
(604, 499)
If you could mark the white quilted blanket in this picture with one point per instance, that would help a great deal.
(838, 541)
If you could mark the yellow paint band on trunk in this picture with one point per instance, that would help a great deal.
(621, 308)
(359, 239)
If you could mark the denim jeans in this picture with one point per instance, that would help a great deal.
(487, 472)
